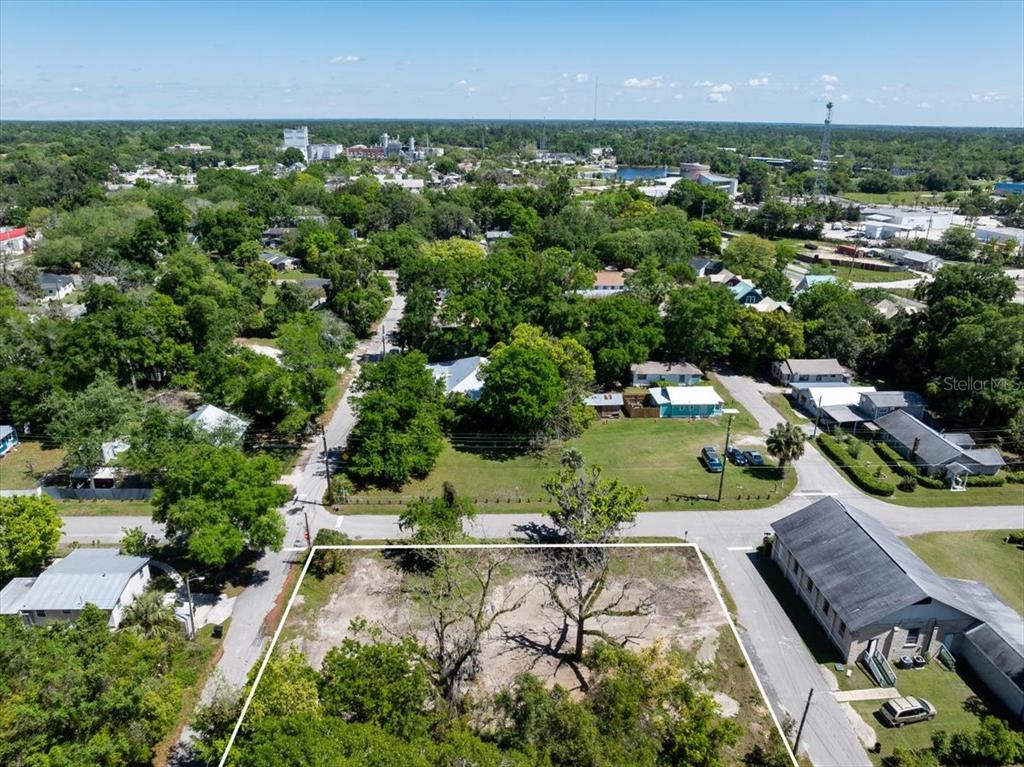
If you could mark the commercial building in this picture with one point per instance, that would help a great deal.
(878, 601)
(913, 259)
(884, 223)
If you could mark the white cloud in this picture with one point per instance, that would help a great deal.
(757, 82)
(346, 58)
(644, 82)
(76, 89)
(988, 96)
(844, 97)
(924, 105)
(703, 84)
(678, 97)
(721, 88)
(829, 88)
(830, 78)
(581, 77)
(465, 87)
(717, 98)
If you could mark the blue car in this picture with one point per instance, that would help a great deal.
(711, 460)
(735, 455)
(753, 457)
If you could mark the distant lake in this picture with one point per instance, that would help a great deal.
(632, 172)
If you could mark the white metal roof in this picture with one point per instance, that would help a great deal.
(85, 576)
(685, 395)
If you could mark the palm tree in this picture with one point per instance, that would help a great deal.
(785, 443)
(149, 617)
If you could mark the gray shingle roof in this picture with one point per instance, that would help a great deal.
(665, 368)
(894, 398)
(814, 367)
(93, 576)
(1003, 655)
(932, 448)
(864, 571)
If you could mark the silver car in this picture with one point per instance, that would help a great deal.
(900, 711)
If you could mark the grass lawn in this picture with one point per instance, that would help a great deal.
(295, 275)
(659, 454)
(898, 198)
(782, 404)
(26, 464)
(104, 508)
(856, 274)
(958, 708)
(923, 497)
(978, 555)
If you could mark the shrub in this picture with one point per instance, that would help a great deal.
(932, 483)
(986, 480)
(1015, 477)
(854, 446)
(907, 484)
(863, 477)
(1017, 539)
(895, 461)
(329, 561)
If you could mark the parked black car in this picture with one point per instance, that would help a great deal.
(711, 460)
(735, 455)
(753, 457)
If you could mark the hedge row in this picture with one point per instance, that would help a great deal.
(986, 480)
(931, 482)
(861, 476)
(1015, 477)
(895, 461)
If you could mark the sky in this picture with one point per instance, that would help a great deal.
(891, 63)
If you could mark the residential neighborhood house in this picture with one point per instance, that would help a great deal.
(686, 401)
(950, 456)
(460, 376)
(804, 370)
(608, 404)
(8, 439)
(102, 577)
(55, 286)
(212, 420)
(651, 372)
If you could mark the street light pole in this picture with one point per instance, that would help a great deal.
(191, 605)
(725, 458)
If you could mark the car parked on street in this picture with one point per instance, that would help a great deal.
(735, 455)
(711, 460)
(754, 458)
(901, 711)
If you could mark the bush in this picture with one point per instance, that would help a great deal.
(932, 483)
(863, 477)
(328, 561)
(1017, 539)
(986, 480)
(1015, 477)
(907, 484)
(895, 461)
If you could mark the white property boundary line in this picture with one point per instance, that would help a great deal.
(468, 546)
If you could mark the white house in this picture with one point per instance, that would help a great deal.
(651, 372)
(460, 376)
(281, 262)
(827, 396)
(55, 286)
(102, 577)
(213, 420)
(607, 282)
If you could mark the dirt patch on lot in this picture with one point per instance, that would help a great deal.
(683, 612)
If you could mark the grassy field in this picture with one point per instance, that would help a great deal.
(662, 455)
(923, 497)
(979, 555)
(958, 708)
(899, 198)
(295, 275)
(104, 508)
(26, 464)
(856, 274)
(782, 404)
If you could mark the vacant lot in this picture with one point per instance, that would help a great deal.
(979, 555)
(104, 508)
(933, 199)
(857, 274)
(24, 466)
(684, 615)
(662, 455)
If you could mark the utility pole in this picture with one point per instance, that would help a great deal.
(800, 729)
(309, 538)
(725, 458)
(327, 466)
(817, 418)
(191, 605)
